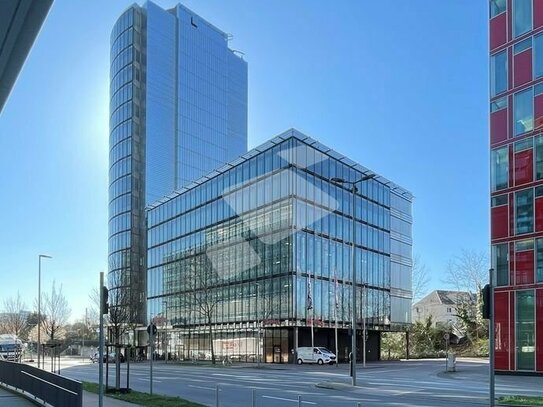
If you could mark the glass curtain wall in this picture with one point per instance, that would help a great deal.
(126, 220)
(246, 251)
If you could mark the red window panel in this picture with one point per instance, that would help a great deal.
(498, 125)
(538, 111)
(498, 32)
(524, 167)
(539, 333)
(524, 270)
(502, 345)
(538, 13)
(523, 67)
(539, 214)
(500, 222)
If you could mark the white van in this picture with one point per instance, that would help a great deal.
(317, 355)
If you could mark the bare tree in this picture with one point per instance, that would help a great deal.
(15, 318)
(467, 271)
(55, 311)
(121, 318)
(93, 310)
(421, 279)
(204, 292)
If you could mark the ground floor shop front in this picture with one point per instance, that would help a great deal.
(267, 345)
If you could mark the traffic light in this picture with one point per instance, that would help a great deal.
(487, 312)
(104, 306)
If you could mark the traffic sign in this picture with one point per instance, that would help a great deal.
(153, 327)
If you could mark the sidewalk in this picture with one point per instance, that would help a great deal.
(9, 399)
(91, 400)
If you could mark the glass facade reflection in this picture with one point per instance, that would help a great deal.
(178, 110)
(126, 219)
(260, 250)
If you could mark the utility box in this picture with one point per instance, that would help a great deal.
(450, 365)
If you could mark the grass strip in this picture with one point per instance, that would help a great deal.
(521, 400)
(143, 399)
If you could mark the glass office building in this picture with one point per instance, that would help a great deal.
(257, 254)
(178, 110)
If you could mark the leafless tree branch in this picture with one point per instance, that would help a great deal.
(421, 278)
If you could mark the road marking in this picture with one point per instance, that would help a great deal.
(284, 399)
(201, 387)
(147, 380)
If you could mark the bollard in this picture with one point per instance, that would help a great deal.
(299, 401)
(217, 396)
(254, 397)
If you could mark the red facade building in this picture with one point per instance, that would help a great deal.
(516, 142)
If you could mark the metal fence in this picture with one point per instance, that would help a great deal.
(48, 387)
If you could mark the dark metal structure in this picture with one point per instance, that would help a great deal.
(48, 387)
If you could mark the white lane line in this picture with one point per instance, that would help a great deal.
(147, 380)
(284, 399)
(201, 387)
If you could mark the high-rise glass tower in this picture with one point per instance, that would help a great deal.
(178, 110)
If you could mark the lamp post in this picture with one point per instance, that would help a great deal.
(45, 256)
(354, 190)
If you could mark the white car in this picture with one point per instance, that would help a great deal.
(318, 355)
(11, 348)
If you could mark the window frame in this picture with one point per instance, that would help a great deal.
(529, 90)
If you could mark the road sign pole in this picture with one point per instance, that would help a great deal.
(152, 338)
(151, 330)
(491, 340)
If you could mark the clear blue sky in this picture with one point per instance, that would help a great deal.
(400, 87)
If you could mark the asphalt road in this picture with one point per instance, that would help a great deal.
(394, 384)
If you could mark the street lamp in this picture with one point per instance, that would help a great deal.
(354, 190)
(45, 256)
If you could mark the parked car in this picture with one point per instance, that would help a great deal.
(318, 355)
(111, 357)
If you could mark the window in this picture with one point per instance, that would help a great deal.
(538, 141)
(525, 330)
(522, 17)
(523, 245)
(522, 46)
(499, 200)
(524, 209)
(498, 104)
(497, 7)
(500, 169)
(498, 73)
(449, 310)
(523, 145)
(524, 111)
(501, 264)
(539, 266)
(538, 56)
